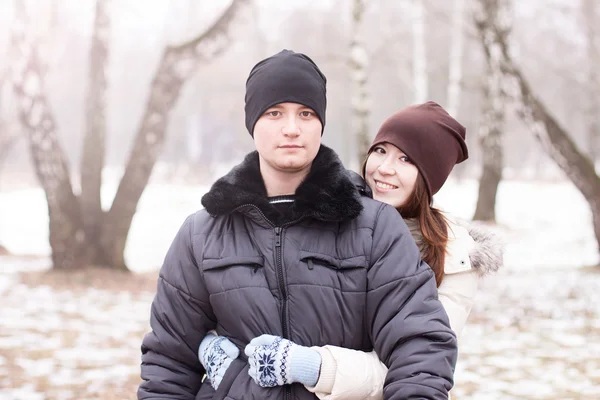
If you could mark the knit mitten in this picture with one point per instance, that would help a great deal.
(216, 354)
(275, 361)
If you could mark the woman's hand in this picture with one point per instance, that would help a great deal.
(275, 361)
(216, 354)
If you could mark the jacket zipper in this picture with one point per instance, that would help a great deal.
(281, 280)
(279, 267)
(284, 294)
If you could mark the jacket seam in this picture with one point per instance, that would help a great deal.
(181, 290)
(426, 271)
(326, 286)
(241, 288)
(381, 206)
(312, 252)
(417, 384)
(192, 225)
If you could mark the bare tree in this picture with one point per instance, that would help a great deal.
(92, 159)
(456, 55)
(359, 64)
(71, 246)
(66, 236)
(496, 20)
(8, 138)
(590, 11)
(553, 137)
(8, 135)
(420, 76)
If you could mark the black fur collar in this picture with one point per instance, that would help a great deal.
(327, 193)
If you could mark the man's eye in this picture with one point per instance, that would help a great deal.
(306, 113)
(273, 113)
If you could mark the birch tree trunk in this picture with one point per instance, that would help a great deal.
(71, 248)
(554, 139)
(590, 12)
(358, 62)
(456, 55)
(498, 14)
(8, 138)
(421, 89)
(92, 159)
(8, 135)
(50, 162)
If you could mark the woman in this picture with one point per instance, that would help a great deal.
(407, 163)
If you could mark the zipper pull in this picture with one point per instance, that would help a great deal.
(277, 237)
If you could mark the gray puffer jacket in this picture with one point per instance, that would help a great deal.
(344, 270)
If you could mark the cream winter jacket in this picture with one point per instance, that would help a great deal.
(472, 252)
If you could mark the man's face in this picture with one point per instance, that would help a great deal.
(287, 137)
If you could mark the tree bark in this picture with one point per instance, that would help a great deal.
(359, 63)
(591, 21)
(8, 135)
(8, 139)
(177, 64)
(50, 162)
(553, 137)
(71, 247)
(92, 160)
(491, 176)
(497, 14)
(490, 139)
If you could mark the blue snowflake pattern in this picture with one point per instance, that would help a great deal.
(215, 359)
(266, 369)
(210, 365)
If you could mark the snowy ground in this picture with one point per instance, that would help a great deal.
(534, 334)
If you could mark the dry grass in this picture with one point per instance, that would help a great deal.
(508, 313)
(96, 278)
(73, 348)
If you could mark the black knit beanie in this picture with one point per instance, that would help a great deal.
(430, 137)
(285, 77)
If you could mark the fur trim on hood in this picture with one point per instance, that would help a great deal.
(488, 254)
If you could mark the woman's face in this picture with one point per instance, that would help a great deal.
(390, 174)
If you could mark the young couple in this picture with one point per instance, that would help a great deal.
(330, 285)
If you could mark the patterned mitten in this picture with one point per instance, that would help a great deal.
(275, 361)
(216, 354)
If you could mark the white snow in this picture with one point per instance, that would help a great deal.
(534, 332)
(546, 225)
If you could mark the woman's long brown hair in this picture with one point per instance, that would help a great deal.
(432, 224)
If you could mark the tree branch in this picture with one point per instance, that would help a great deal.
(92, 159)
(49, 159)
(177, 64)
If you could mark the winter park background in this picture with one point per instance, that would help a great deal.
(161, 84)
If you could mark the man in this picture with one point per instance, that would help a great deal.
(286, 246)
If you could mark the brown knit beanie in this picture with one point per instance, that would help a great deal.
(430, 137)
